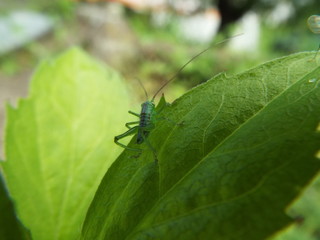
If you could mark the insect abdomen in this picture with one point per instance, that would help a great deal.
(147, 109)
(146, 115)
(144, 120)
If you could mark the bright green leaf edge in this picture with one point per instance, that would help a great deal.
(245, 151)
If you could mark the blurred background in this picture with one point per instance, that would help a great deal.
(150, 40)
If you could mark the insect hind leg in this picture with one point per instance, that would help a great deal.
(131, 123)
(135, 114)
(130, 132)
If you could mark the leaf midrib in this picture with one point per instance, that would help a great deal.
(215, 204)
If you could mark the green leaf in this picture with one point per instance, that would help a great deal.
(10, 227)
(59, 143)
(245, 150)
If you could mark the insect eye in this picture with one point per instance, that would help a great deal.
(314, 23)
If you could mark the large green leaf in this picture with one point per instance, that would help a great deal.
(59, 143)
(245, 150)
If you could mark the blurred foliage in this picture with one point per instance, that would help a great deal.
(63, 13)
(9, 65)
(61, 8)
(164, 52)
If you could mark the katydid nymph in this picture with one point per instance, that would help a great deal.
(149, 116)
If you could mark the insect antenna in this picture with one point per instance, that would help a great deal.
(194, 57)
(144, 89)
(315, 56)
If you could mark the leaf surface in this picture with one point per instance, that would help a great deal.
(59, 143)
(244, 149)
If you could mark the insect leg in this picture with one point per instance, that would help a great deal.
(131, 123)
(135, 114)
(131, 131)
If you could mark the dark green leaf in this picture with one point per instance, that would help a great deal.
(245, 150)
(10, 227)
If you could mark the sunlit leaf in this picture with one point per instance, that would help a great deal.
(59, 143)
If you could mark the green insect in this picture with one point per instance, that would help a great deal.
(149, 116)
(314, 26)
